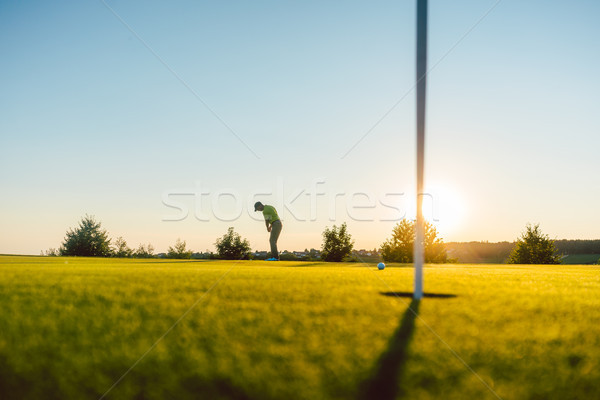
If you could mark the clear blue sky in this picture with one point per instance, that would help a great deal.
(92, 122)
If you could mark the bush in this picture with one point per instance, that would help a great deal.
(533, 247)
(337, 244)
(232, 247)
(88, 239)
(400, 247)
(179, 251)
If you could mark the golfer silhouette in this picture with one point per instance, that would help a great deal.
(273, 224)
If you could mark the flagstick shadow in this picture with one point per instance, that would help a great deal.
(410, 295)
(384, 382)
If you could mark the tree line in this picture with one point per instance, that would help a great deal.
(532, 247)
(499, 252)
(89, 239)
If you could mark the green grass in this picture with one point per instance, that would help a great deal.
(581, 259)
(71, 327)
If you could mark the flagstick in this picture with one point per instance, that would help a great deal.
(421, 86)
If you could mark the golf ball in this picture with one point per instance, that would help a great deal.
(381, 265)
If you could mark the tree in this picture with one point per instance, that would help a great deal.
(435, 250)
(337, 243)
(232, 247)
(88, 239)
(179, 250)
(399, 248)
(120, 248)
(51, 252)
(144, 251)
(533, 247)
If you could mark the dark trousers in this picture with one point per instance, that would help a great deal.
(275, 231)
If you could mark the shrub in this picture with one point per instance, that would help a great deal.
(231, 246)
(337, 243)
(533, 247)
(88, 239)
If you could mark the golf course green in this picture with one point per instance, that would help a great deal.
(95, 328)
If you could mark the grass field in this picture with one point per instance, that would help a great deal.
(74, 327)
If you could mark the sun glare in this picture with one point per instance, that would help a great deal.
(443, 207)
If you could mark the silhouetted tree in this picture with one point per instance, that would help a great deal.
(533, 247)
(337, 243)
(120, 248)
(144, 251)
(232, 247)
(88, 239)
(179, 250)
(399, 248)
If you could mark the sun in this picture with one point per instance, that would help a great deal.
(447, 208)
(443, 206)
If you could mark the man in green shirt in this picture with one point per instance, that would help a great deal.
(273, 225)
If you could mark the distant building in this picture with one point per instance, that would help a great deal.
(260, 255)
(366, 253)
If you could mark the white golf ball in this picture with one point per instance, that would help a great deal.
(381, 265)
